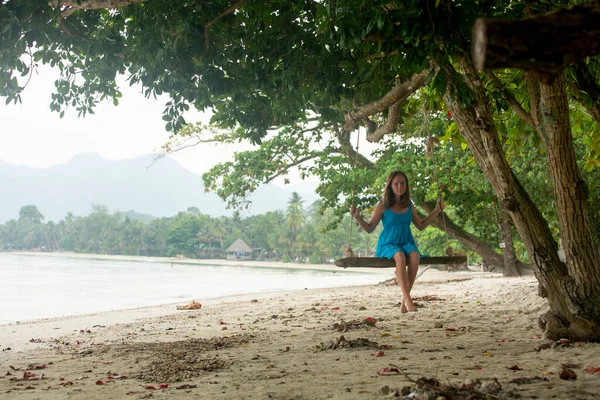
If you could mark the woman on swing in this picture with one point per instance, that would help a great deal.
(396, 240)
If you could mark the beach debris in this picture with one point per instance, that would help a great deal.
(194, 305)
(431, 388)
(391, 370)
(342, 342)
(525, 381)
(379, 353)
(157, 387)
(186, 386)
(179, 361)
(254, 301)
(7, 349)
(345, 326)
(515, 368)
(66, 383)
(592, 370)
(117, 377)
(30, 376)
(567, 374)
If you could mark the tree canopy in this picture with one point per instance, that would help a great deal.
(297, 77)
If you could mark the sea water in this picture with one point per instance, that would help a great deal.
(39, 286)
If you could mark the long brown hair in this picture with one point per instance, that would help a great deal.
(389, 199)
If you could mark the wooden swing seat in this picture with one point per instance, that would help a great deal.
(378, 262)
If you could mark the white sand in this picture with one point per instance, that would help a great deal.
(280, 346)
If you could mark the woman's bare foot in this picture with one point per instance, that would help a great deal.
(403, 308)
(409, 306)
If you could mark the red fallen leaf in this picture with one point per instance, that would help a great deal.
(500, 341)
(449, 115)
(100, 382)
(221, 322)
(117, 377)
(67, 383)
(451, 329)
(335, 308)
(379, 353)
(515, 368)
(158, 387)
(387, 370)
(592, 370)
(30, 376)
(369, 320)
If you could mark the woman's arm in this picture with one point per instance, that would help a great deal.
(424, 223)
(372, 224)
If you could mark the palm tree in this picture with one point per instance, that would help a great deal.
(295, 217)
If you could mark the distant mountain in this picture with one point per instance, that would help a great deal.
(162, 190)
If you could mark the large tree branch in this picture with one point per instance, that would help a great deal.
(346, 148)
(543, 43)
(390, 126)
(465, 238)
(228, 11)
(294, 164)
(399, 93)
(516, 106)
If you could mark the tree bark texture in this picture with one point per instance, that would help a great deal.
(543, 43)
(582, 282)
(509, 258)
(475, 121)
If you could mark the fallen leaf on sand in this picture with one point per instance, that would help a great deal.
(388, 371)
(592, 370)
(30, 376)
(380, 353)
(185, 386)
(190, 306)
(515, 368)
(157, 387)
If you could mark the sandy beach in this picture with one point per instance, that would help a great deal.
(475, 334)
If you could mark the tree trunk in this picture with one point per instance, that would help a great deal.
(509, 257)
(570, 301)
(488, 254)
(581, 281)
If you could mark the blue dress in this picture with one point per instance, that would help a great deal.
(396, 235)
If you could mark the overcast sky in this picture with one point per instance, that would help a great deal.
(30, 134)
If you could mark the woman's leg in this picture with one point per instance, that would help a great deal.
(413, 266)
(403, 279)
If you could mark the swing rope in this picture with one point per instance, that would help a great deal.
(348, 252)
(430, 150)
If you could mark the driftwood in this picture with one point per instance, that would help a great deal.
(376, 262)
(544, 43)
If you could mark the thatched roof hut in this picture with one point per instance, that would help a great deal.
(239, 250)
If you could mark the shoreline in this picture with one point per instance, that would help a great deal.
(195, 261)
